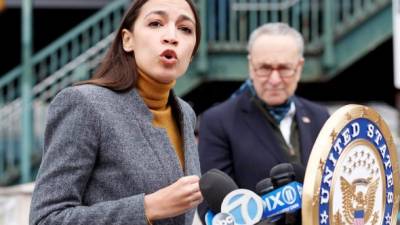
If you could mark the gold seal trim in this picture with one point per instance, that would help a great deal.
(320, 154)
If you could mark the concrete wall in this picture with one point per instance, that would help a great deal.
(14, 204)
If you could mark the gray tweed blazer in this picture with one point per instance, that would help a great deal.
(102, 155)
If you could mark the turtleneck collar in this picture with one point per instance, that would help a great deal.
(155, 94)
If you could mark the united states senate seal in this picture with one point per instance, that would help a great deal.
(352, 176)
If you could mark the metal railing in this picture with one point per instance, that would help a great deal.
(231, 21)
(67, 60)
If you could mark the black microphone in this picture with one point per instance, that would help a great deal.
(263, 187)
(283, 174)
(214, 186)
(299, 172)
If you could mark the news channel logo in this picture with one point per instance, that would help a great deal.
(245, 206)
(223, 219)
(282, 200)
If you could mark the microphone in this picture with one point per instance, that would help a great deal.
(214, 186)
(217, 187)
(223, 219)
(285, 199)
(208, 217)
(281, 175)
(245, 206)
(264, 187)
(299, 172)
(280, 196)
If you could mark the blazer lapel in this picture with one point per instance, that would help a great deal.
(186, 124)
(192, 164)
(257, 124)
(157, 138)
(304, 122)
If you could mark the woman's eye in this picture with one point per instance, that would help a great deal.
(155, 24)
(186, 30)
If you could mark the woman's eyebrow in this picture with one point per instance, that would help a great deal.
(185, 18)
(157, 12)
(165, 14)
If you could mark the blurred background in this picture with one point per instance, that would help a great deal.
(46, 45)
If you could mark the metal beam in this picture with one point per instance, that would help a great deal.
(26, 90)
(328, 17)
(361, 40)
(83, 4)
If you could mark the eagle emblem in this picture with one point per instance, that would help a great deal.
(357, 205)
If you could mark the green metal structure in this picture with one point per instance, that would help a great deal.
(26, 91)
(337, 33)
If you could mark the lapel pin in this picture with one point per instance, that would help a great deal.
(306, 119)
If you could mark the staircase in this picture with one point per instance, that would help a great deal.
(337, 33)
(69, 59)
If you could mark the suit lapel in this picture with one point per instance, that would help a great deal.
(157, 138)
(304, 122)
(258, 125)
(192, 164)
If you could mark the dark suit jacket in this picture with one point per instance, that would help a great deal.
(236, 138)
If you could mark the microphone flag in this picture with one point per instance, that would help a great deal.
(209, 217)
(283, 200)
(223, 218)
(245, 206)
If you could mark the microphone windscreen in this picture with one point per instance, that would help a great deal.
(282, 174)
(264, 186)
(214, 186)
(299, 172)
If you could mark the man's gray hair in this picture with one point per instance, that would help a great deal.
(276, 29)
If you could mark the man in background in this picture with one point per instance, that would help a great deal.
(264, 123)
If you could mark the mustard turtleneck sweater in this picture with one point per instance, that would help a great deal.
(155, 96)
